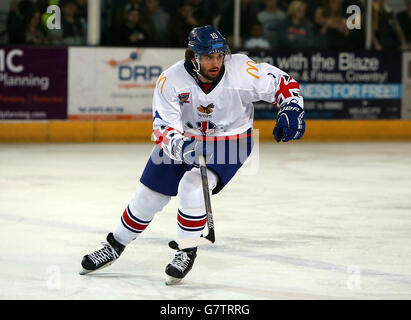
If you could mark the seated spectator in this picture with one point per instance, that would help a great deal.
(201, 12)
(81, 13)
(295, 30)
(72, 32)
(271, 18)
(404, 19)
(386, 31)
(356, 37)
(131, 33)
(16, 20)
(42, 5)
(82, 9)
(256, 40)
(120, 12)
(35, 34)
(180, 25)
(248, 16)
(170, 6)
(159, 20)
(331, 23)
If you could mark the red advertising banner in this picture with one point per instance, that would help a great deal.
(33, 83)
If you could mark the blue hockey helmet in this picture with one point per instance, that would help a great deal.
(207, 40)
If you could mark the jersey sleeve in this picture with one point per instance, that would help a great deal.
(273, 85)
(166, 108)
(167, 124)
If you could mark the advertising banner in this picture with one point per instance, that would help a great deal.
(33, 83)
(341, 85)
(115, 83)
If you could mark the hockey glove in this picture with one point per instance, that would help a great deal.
(192, 149)
(290, 123)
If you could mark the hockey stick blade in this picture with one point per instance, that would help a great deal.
(181, 244)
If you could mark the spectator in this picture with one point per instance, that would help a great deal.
(331, 24)
(81, 13)
(356, 37)
(248, 16)
(404, 19)
(16, 20)
(201, 12)
(170, 6)
(131, 33)
(271, 18)
(34, 32)
(256, 41)
(180, 24)
(120, 13)
(71, 32)
(158, 20)
(312, 5)
(295, 30)
(42, 5)
(386, 31)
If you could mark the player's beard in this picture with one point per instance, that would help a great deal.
(210, 76)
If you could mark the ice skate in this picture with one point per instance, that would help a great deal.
(182, 263)
(103, 257)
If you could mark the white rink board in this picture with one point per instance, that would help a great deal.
(115, 81)
(316, 221)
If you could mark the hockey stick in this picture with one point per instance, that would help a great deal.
(181, 244)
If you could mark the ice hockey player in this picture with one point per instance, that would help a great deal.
(202, 105)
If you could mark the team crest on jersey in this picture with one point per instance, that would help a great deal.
(206, 110)
(183, 97)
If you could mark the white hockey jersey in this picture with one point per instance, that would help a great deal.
(181, 106)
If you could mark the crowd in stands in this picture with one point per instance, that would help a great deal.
(265, 24)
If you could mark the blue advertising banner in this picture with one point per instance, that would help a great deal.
(340, 85)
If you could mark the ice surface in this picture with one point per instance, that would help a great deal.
(314, 221)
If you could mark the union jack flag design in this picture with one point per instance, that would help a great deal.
(163, 135)
(288, 88)
(170, 140)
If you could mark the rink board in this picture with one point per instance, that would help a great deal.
(140, 131)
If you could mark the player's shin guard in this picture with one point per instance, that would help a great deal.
(132, 223)
(190, 224)
(139, 213)
(191, 216)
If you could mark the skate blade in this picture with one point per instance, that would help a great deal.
(171, 281)
(85, 271)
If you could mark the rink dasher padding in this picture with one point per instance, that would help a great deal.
(140, 131)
